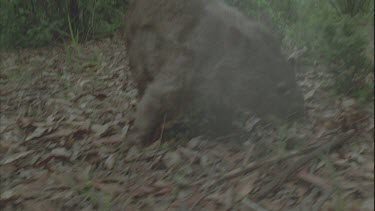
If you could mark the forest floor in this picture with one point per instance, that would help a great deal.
(64, 117)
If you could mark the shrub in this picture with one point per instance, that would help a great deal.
(334, 31)
(345, 46)
(36, 23)
(351, 7)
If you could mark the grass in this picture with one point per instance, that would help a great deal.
(38, 23)
(336, 32)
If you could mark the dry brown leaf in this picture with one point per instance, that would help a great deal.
(161, 184)
(211, 205)
(32, 205)
(225, 199)
(189, 154)
(99, 130)
(110, 162)
(368, 205)
(244, 187)
(369, 166)
(195, 198)
(7, 195)
(195, 142)
(318, 181)
(24, 122)
(111, 188)
(61, 153)
(131, 207)
(25, 191)
(204, 160)
(371, 125)
(60, 133)
(143, 191)
(15, 157)
(348, 103)
(64, 180)
(163, 191)
(59, 101)
(100, 96)
(251, 123)
(228, 198)
(155, 145)
(38, 132)
(114, 139)
(132, 153)
(172, 159)
(309, 95)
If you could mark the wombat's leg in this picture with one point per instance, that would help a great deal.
(160, 99)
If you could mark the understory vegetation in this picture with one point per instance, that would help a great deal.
(337, 33)
(37, 23)
(69, 96)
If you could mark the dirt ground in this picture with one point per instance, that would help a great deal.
(65, 113)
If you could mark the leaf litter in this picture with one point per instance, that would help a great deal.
(63, 145)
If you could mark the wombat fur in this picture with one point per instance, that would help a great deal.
(205, 57)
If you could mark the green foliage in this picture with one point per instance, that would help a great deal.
(265, 11)
(351, 7)
(36, 23)
(345, 45)
(336, 32)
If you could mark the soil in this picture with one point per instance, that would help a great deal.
(63, 144)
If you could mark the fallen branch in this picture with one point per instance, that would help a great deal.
(319, 204)
(315, 180)
(326, 147)
(253, 205)
(257, 164)
(310, 153)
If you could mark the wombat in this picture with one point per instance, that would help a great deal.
(205, 57)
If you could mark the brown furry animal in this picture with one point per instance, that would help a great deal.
(206, 57)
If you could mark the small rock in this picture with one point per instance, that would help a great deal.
(369, 166)
(61, 153)
(204, 161)
(189, 154)
(348, 103)
(109, 162)
(368, 205)
(38, 132)
(251, 123)
(100, 130)
(15, 157)
(7, 195)
(172, 159)
(194, 142)
(133, 152)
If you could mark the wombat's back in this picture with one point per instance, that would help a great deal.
(207, 56)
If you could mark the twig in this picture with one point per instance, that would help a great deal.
(255, 165)
(245, 200)
(313, 151)
(253, 205)
(317, 181)
(319, 204)
(197, 202)
(162, 127)
(220, 138)
(302, 162)
(144, 158)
